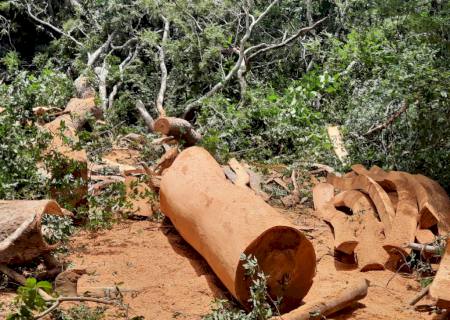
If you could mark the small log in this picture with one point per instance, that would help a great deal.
(222, 221)
(424, 248)
(348, 295)
(337, 141)
(179, 128)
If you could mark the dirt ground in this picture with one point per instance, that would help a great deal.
(164, 278)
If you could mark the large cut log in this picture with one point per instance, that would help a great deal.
(178, 128)
(344, 235)
(440, 288)
(368, 230)
(64, 128)
(21, 237)
(222, 221)
(346, 296)
(376, 193)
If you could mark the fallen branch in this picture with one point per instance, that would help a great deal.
(420, 296)
(330, 304)
(179, 128)
(424, 248)
(389, 121)
(59, 300)
(148, 119)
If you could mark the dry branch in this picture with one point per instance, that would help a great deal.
(162, 66)
(389, 121)
(347, 296)
(148, 119)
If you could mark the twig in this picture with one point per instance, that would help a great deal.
(59, 300)
(389, 121)
(420, 296)
(45, 23)
(424, 248)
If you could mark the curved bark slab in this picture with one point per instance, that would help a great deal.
(21, 237)
(369, 231)
(322, 194)
(433, 202)
(222, 221)
(440, 288)
(377, 194)
(343, 228)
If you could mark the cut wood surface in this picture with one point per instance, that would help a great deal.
(178, 128)
(222, 221)
(21, 237)
(440, 287)
(368, 230)
(425, 236)
(347, 295)
(322, 194)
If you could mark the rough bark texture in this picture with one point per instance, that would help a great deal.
(222, 221)
(21, 238)
(179, 128)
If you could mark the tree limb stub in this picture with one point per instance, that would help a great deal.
(179, 128)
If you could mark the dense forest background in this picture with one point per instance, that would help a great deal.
(260, 80)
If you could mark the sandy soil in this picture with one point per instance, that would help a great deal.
(169, 280)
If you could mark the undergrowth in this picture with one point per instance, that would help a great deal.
(262, 306)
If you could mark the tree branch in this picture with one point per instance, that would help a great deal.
(92, 57)
(148, 119)
(162, 66)
(389, 121)
(59, 300)
(284, 42)
(45, 23)
(249, 28)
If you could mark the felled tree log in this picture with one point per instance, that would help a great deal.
(178, 128)
(368, 230)
(21, 237)
(346, 296)
(222, 221)
(440, 288)
(66, 127)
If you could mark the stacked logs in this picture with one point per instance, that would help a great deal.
(377, 216)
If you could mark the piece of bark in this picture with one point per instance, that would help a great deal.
(229, 173)
(322, 194)
(439, 288)
(222, 221)
(21, 238)
(376, 193)
(178, 128)
(368, 230)
(66, 282)
(242, 177)
(166, 160)
(393, 196)
(435, 202)
(347, 295)
(343, 228)
(425, 236)
(255, 184)
(338, 143)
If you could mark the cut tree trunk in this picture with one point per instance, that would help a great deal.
(222, 221)
(346, 296)
(178, 128)
(21, 237)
